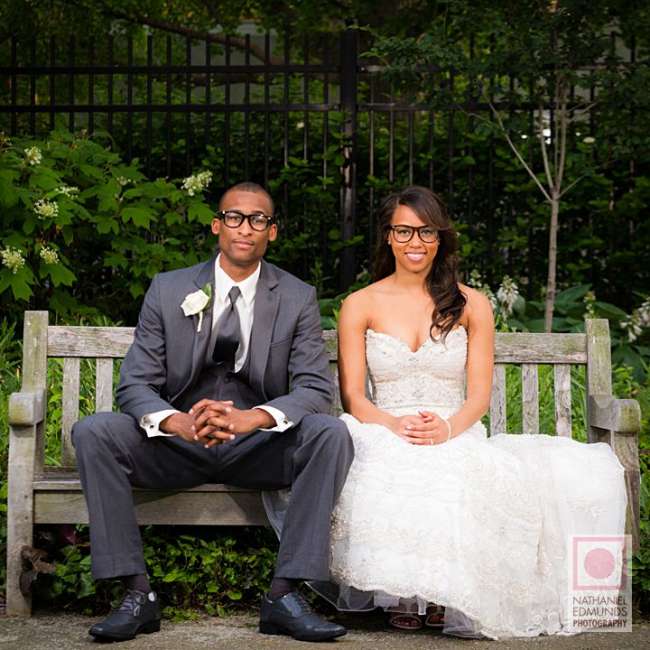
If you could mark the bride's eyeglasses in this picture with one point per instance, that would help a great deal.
(404, 234)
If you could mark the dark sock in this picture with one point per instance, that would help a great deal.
(281, 587)
(138, 581)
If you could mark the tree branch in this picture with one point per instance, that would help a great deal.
(516, 152)
(571, 185)
(221, 39)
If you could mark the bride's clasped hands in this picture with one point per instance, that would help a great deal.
(425, 428)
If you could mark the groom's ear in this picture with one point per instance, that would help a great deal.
(215, 226)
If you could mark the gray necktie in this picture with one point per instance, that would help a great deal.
(228, 332)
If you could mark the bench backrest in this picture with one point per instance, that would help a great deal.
(529, 351)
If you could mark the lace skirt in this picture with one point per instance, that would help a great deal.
(478, 525)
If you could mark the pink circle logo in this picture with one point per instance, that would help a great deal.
(599, 563)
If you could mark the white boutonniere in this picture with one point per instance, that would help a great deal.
(196, 303)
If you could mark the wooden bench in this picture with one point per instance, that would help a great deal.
(41, 494)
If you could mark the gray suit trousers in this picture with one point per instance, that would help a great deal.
(114, 455)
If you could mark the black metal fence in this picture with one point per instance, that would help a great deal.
(254, 107)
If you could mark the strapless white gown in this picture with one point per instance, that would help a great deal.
(477, 524)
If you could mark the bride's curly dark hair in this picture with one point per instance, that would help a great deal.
(442, 281)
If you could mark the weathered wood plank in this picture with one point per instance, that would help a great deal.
(337, 408)
(530, 397)
(562, 392)
(25, 459)
(158, 507)
(498, 400)
(54, 480)
(520, 347)
(104, 385)
(626, 448)
(64, 341)
(599, 367)
(517, 347)
(70, 408)
(331, 344)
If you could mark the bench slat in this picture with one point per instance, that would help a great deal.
(190, 507)
(510, 347)
(70, 408)
(530, 397)
(562, 389)
(104, 385)
(518, 347)
(498, 400)
(91, 342)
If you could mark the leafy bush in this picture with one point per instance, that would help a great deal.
(82, 228)
(190, 568)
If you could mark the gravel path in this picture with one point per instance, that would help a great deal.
(70, 632)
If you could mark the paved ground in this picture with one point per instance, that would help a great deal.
(69, 632)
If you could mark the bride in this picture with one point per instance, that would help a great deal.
(433, 511)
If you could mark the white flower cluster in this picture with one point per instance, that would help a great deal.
(46, 209)
(507, 295)
(589, 301)
(122, 180)
(637, 321)
(475, 280)
(33, 156)
(49, 255)
(68, 190)
(12, 258)
(197, 182)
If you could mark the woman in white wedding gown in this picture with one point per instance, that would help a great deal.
(432, 510)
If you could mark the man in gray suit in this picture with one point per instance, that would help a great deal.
(226, 381)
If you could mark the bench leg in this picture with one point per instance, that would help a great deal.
(20, 514)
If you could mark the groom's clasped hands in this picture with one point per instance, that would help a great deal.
(212, 422)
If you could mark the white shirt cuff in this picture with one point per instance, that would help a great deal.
(151, 422)
(281, 421)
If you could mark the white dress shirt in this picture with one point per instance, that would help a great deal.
(245, 306)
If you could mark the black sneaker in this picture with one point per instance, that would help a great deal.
(139, 612)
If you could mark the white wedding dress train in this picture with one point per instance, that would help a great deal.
(477, 524)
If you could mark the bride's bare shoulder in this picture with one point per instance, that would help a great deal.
(477, 307)
(362, 302)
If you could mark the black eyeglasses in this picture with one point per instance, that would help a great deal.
(404, 234)
(256, 220)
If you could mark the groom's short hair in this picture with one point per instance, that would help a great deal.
(249, 186)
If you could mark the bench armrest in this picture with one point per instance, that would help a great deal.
(612, 414)
(26, 408)
(619, 422)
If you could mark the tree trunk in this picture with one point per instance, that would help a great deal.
(552, 261)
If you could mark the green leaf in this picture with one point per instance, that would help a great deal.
(60, 274)
(201, 212)
(8, 192)
(140, 216)
(19, 282)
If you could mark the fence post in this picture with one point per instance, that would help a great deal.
(348, 63)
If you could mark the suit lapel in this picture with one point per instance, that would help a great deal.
(267, 300)
(201, 339)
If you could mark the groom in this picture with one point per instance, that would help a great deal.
(226, 381)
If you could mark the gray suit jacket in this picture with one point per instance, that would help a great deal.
(288, 363)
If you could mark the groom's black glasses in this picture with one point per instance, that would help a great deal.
(404, 234)
(256, 220)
